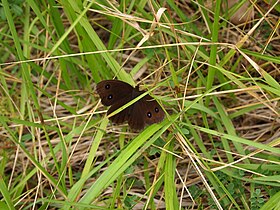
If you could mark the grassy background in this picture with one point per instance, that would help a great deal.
(218, 147)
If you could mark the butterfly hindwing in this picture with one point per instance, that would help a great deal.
(145, 111)
(123, 115)
(136, 120)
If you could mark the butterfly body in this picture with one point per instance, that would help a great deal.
(116, 93)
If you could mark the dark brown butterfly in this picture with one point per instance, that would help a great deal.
(116, 93)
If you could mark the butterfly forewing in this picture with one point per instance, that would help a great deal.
(111, 91)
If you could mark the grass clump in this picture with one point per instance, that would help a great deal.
(217, 79)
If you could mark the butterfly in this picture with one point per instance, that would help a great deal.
(116, 93)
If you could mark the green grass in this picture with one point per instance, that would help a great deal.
(218, 146)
